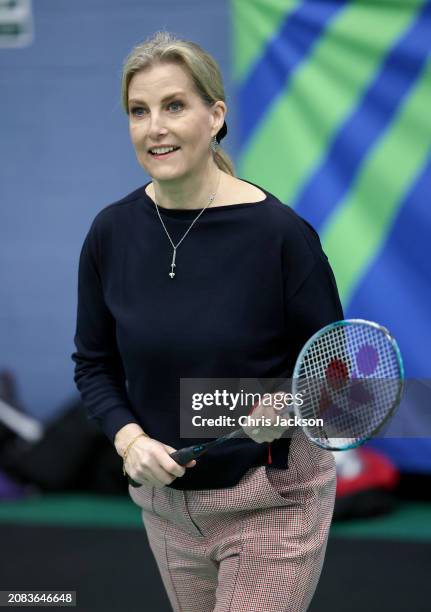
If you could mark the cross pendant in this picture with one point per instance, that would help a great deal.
(172, 273)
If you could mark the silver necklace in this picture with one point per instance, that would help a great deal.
(175, 246)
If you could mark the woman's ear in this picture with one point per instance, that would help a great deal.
(219, 110)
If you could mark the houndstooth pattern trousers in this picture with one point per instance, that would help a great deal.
(258, 546)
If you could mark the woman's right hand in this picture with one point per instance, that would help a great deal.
(149, 462)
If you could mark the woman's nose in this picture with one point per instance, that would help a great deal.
(157, 125)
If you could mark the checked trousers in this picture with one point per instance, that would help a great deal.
(258, 546)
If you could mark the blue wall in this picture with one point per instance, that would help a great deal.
(66, 154)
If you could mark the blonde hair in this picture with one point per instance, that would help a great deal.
(202, 68)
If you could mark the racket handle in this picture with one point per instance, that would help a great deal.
(184, 455)
(133, 483)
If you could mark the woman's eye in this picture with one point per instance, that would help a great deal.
(137, 111)
(175, 106)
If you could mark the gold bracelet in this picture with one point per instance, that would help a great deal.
(127, 450)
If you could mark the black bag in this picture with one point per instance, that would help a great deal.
(73, 454)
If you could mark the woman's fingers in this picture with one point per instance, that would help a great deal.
(160, 477)
(153, 474)
(261, 424)
(151, 461)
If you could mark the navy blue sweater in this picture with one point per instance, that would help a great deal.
(252, 285)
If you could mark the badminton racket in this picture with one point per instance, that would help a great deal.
(349, 376)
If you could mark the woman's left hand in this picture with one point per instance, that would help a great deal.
(263, 425)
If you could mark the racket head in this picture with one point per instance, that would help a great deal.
(351, 375)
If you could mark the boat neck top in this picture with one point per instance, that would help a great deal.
(251, 285)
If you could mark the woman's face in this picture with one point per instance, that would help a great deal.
(166, 111)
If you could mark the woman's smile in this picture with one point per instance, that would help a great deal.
(158, 153)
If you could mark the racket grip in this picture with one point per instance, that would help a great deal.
(133, 483)
(184, 455)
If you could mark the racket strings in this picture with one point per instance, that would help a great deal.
(349, 377)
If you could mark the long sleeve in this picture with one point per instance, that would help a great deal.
(99, 373)
(311, 298)
(311, 295)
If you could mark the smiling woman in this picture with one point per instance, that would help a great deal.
(173, 93)
(170, 125)
(247, 287)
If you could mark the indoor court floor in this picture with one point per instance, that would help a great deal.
(97, 547)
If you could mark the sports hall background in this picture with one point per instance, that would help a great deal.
(329, 109)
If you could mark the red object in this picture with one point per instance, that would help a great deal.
(337, 373)
(377, 473)
(269, 460)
